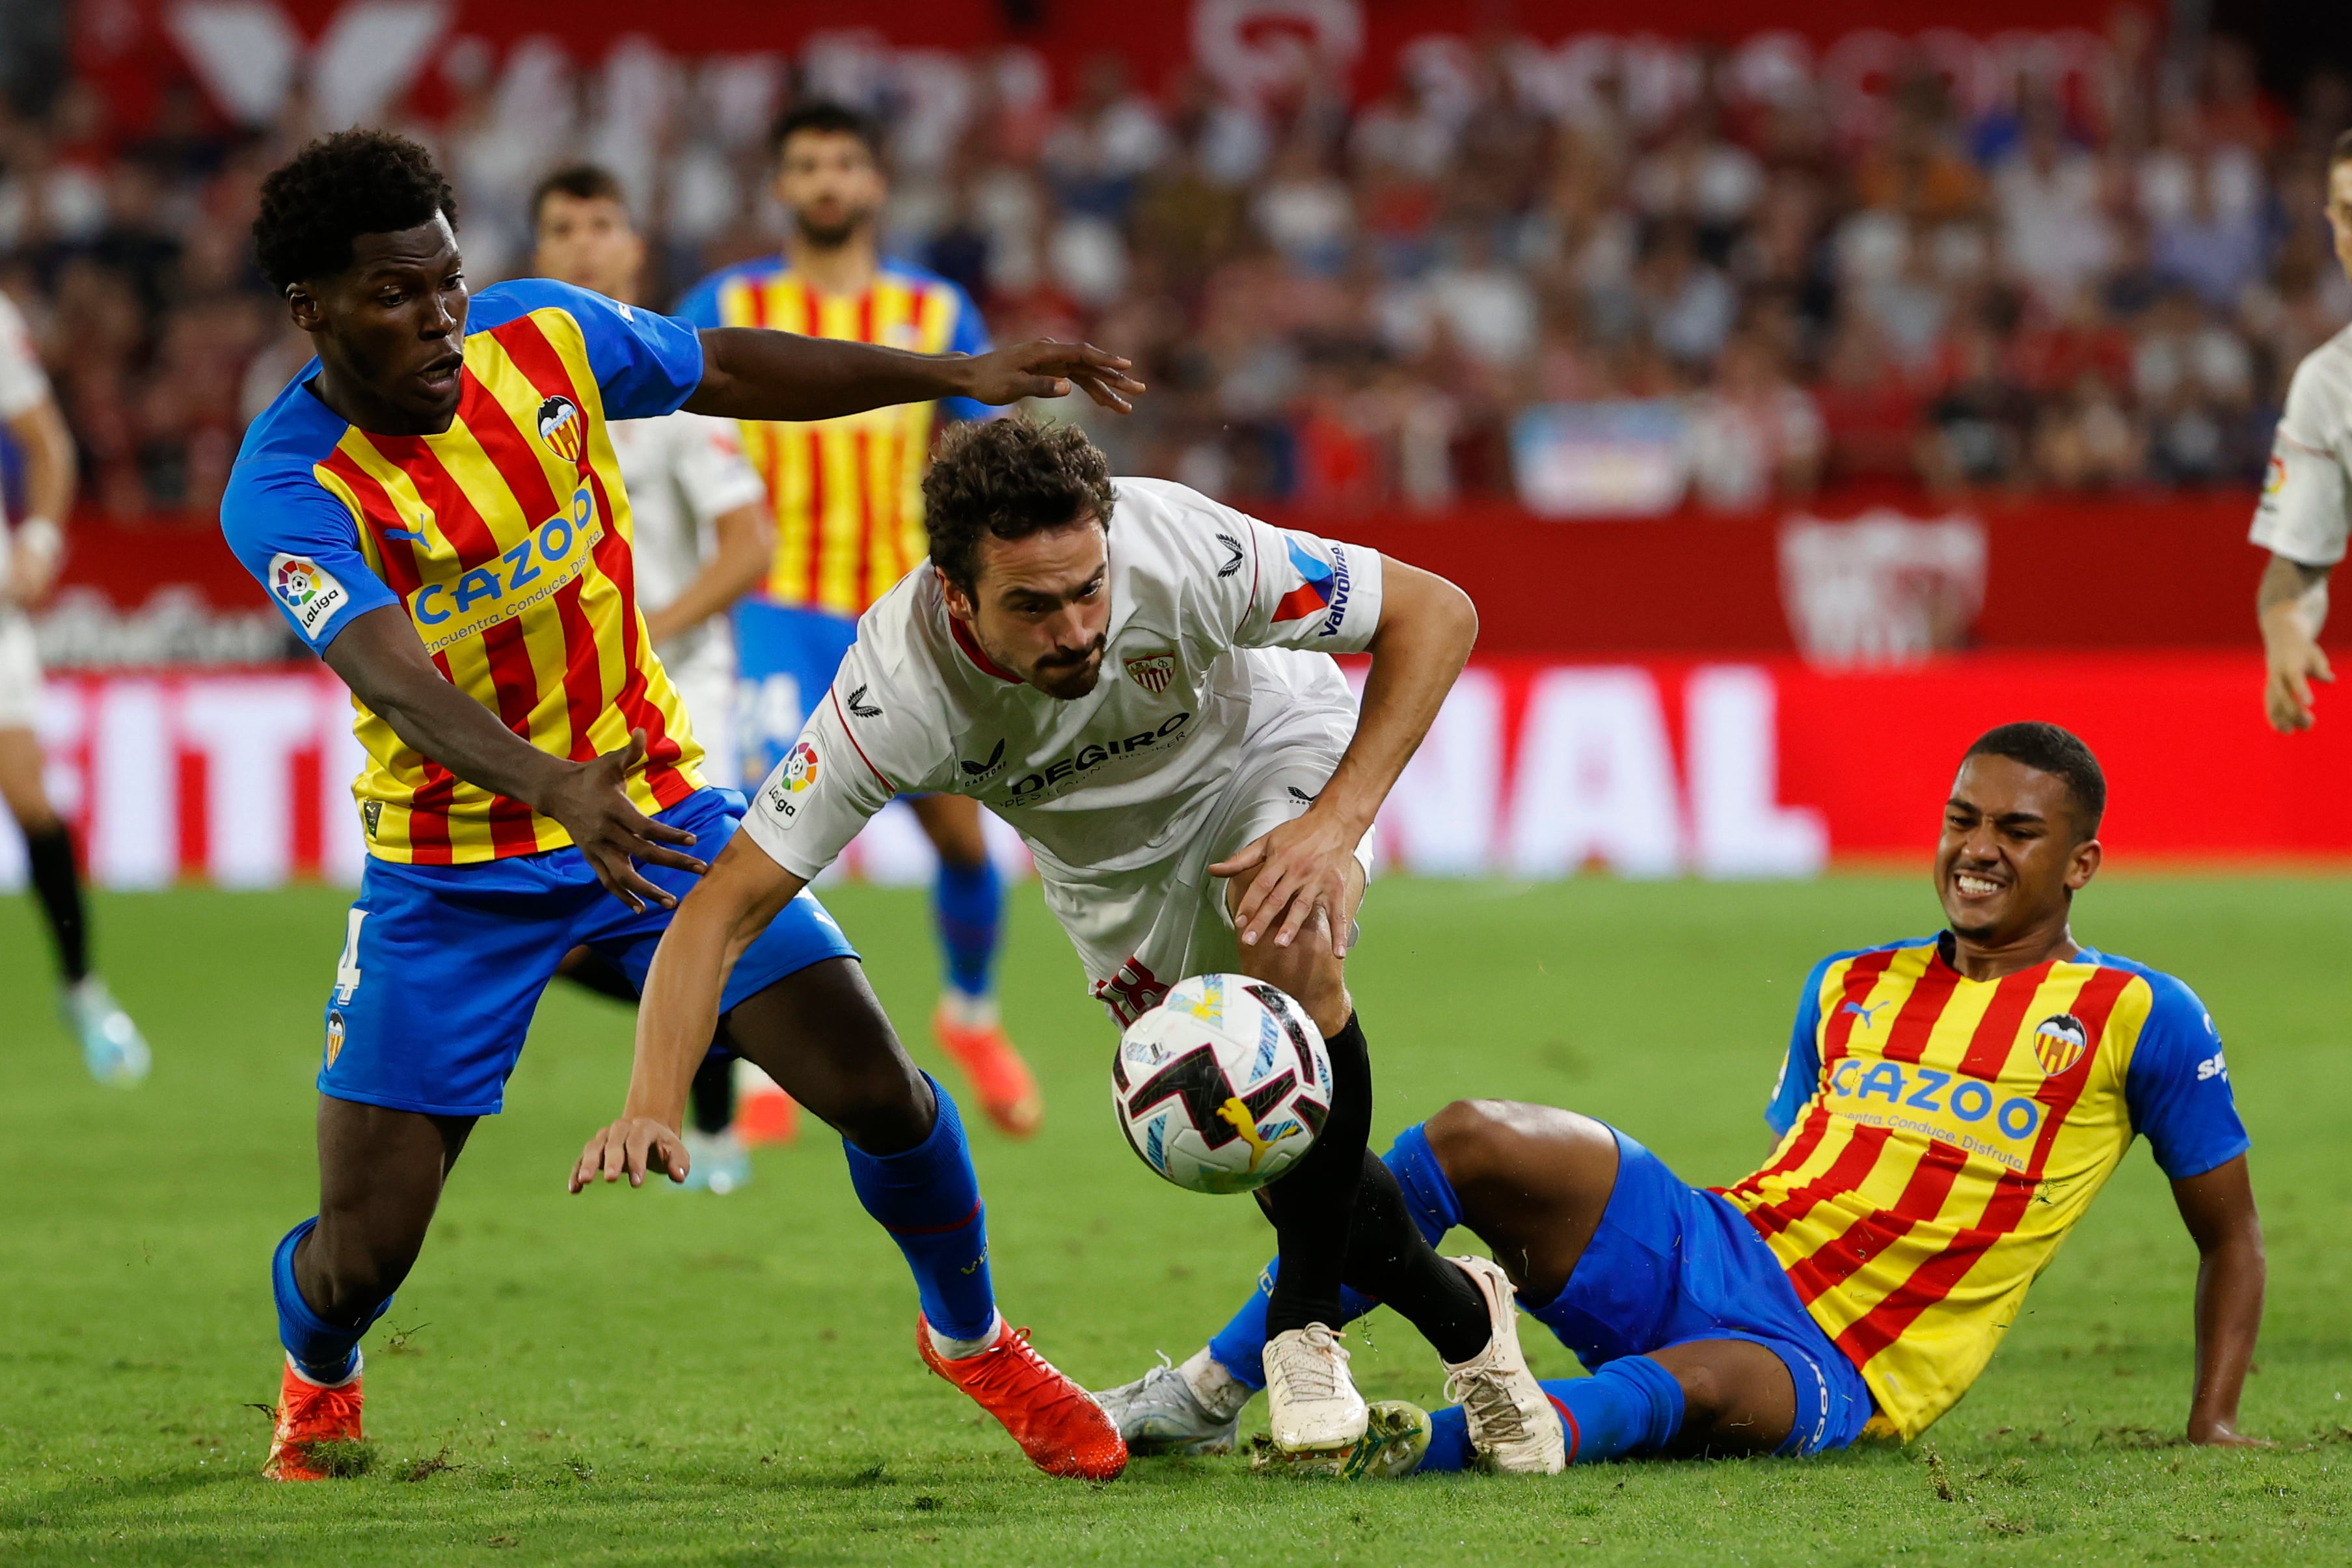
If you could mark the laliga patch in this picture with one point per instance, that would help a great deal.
(2059, 1042)
(307, 589)
(562, 428)
(800, 767)
(1153, 671)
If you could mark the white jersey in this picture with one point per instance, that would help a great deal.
(682, 472)
(1210, 612)
(2306, 505)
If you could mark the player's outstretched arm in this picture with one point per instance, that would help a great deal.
(378, 656)
(2292, 605)
(678, 1013)
(1427, 628)
(751, 373)
(2218, 1207)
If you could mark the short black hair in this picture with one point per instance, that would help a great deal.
(826, 115)
(2060, 752)
(336, 189)
(1011, 478)
(2340, 150)
(582, 183)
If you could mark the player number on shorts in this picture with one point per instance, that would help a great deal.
(347, 967)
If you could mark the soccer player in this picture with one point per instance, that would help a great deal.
(701, 542)
(2306, 505)
(1139, 678)
(850, 523)
(112, 1047)
(1947, 1110)
(436, 504)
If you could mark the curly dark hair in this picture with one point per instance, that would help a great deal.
(336, 189)
(2060, 753)
(1013, 477)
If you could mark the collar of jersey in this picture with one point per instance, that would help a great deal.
(971, 650)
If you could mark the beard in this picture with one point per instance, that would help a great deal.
(1069, 679)
(830, 236)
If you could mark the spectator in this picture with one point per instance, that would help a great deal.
(1754, 435)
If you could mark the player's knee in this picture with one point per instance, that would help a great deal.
(1468, 1137)
(884, 1109)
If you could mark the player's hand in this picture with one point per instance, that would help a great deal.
(2296, 661)
(631, 1147)
(593, 804)
(1048, 369)
(1302, 867)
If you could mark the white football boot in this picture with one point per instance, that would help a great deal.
(1311, 1401)
(1164, 1412)
(112, 1046)
(1512, 1424)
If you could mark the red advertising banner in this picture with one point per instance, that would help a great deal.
(1536, 768)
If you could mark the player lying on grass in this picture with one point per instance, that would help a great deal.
(1139, 679)
(1947, 1111)
(436, 504)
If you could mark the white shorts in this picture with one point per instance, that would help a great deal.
(710, 697)
(1140, 931)
(20, 670)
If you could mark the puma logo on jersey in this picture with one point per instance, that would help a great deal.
(861, 708)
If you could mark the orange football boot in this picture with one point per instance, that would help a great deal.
(307, 1414)
(765, 1114)
(1007, 1091)
(1057, 1422)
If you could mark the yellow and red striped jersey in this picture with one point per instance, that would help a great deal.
(1941, 1135)
(505, 539)
(847, 492)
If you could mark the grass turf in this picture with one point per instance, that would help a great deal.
(657, 1376)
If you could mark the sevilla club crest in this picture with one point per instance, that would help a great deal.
(1152, 672)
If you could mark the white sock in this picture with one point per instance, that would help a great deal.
(958, 1350)
(1220, 1393)
(359, 1364)
(966, 1011)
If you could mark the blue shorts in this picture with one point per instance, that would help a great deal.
(787, 656)
(1673, 1263)
(443, 966)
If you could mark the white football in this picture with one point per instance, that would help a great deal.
(1224, 1086)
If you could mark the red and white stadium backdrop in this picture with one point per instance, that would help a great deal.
(1537, 768)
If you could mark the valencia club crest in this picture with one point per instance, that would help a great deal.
(562, 428)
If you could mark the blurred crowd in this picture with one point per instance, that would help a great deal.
(1356, 305)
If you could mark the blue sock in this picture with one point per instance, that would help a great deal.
(322, 1352)
(1632, 1405)
(927, 1198)
(968, 907)
(1239, 1347)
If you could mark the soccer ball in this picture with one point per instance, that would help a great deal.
(1224, 1086)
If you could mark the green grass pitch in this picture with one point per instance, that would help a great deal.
(653, 1376)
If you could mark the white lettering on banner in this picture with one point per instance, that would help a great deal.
(1731, 744)
(1596, 778)
(134, 811)
(1439, 819)
(247, 732)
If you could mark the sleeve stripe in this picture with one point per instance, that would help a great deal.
(862, 757)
